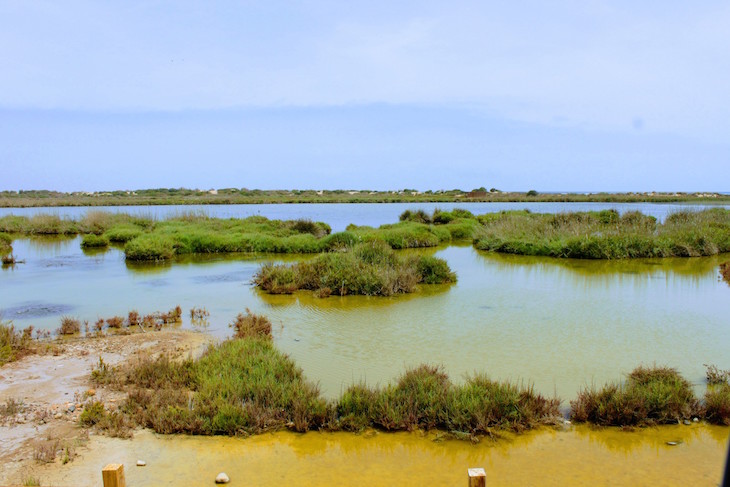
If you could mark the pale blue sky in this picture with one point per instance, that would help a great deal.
(572, 95)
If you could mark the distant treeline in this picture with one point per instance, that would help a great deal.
(183, 196)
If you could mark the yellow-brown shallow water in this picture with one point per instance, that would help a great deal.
(578, 456)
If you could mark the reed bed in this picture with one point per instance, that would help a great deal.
(606, 234)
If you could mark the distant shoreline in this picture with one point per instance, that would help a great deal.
(155, 197)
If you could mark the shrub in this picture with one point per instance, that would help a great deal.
(69, 326)
(424, 397)
(150, 247)
(717, 404)
(251, 325)
(92, 414)
(115, 322)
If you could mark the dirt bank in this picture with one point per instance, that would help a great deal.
(42, 396)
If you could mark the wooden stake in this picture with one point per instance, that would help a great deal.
(113, 475)
(477, 477)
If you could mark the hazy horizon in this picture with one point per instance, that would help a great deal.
(585, 96)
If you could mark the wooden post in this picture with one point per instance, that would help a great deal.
(477, 477)
(113, 475)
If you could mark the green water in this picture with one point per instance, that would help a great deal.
(559, 324)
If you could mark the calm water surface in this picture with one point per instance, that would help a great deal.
(560, 324)
(580, 456)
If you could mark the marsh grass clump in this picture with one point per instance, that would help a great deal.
(116, 424)
(650, 395)
(370, 268)
(717, 404)
(201, 234)
(69, 326)
(251, 325)
(606, 234)
(94, 241)
(240, 386)
(14, 344)
(425, 398)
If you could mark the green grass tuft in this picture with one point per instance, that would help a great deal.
(656, 395)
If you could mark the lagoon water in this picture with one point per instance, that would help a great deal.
(558, 324)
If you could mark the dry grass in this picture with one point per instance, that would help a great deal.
(69, 326)
(251, 325)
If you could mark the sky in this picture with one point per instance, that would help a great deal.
(555, 96)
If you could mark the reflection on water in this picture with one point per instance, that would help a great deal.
(561, 324)
(580, 456)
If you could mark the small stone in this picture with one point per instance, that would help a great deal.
(672, 443)
(141, 463)
(695, 420)
(91, 392)
(58, 416)
(687, 422)
(222, 478)
(71, 408)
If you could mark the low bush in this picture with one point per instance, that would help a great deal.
(14, 344)
(69, 326)
(115, 322)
